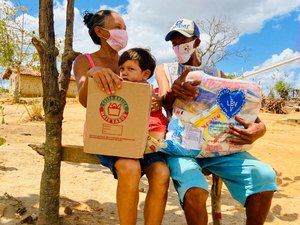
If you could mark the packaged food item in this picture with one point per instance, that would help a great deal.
(198, 127)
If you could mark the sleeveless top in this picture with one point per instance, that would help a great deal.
(89, 57)
(174, 70)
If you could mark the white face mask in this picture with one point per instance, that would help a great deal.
(118, 39)
(184, 51)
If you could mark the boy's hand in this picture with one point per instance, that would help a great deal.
(183, 89)
(252, 131)
(156, 103)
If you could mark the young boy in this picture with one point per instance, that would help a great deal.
(137, 65)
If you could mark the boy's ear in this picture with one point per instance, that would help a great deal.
(146, 74)
(197, 43)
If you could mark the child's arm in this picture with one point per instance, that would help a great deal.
(156, 101)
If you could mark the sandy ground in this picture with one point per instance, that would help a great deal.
(89, 190)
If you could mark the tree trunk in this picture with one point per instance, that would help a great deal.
(17, 88)
(54, 100)
(17, 92)
(50, 182)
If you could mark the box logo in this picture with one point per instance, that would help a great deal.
(114, 109)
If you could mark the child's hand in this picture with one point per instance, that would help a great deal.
(156, 103)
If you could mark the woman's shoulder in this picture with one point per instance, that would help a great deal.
(81, 60)
(80, 63)
(81, 57)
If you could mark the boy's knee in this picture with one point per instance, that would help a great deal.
(195, 197)
(160, 170)
(266, 174)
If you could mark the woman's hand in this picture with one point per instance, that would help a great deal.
(252, 131)
(106, 79)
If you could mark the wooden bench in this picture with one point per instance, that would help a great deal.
(74, 153)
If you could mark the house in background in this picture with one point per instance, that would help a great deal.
(30, 83)
(295, 93)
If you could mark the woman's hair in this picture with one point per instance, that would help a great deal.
(145, 59)
(96, 19)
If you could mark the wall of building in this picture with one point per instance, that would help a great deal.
(12, 82)
(31, 86)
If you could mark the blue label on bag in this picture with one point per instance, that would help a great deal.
(231, 102)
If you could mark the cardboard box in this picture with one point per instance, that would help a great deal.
(118, 124)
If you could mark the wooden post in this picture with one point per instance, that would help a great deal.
(216, 199)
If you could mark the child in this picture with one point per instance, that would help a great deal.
(137, 65)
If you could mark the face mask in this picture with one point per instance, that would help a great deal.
(184, 51)
(117, 39)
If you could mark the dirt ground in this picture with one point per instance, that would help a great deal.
(89, 190)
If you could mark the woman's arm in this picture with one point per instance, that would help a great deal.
(105, 78)
(80, 68)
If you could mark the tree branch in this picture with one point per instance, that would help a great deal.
(69, 55)
(38, 44)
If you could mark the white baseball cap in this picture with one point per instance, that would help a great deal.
(186, 27)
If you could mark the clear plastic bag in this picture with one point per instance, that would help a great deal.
(198, 127)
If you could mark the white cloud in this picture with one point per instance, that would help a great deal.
(149, 20)
(30, 23)
(289, 72)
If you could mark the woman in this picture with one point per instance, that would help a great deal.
(107, 28)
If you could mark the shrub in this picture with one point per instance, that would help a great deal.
(35, 111)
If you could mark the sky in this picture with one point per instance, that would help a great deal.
(269, 30)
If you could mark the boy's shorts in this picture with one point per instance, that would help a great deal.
(243, 174)
(109, 161)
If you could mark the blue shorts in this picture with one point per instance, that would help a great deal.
(243, 174)
(109, 161)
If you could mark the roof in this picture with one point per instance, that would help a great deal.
(33, 73)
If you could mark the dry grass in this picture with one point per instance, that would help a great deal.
(35, 111)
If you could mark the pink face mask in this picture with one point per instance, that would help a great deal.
(184, 51)
(118, 39)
